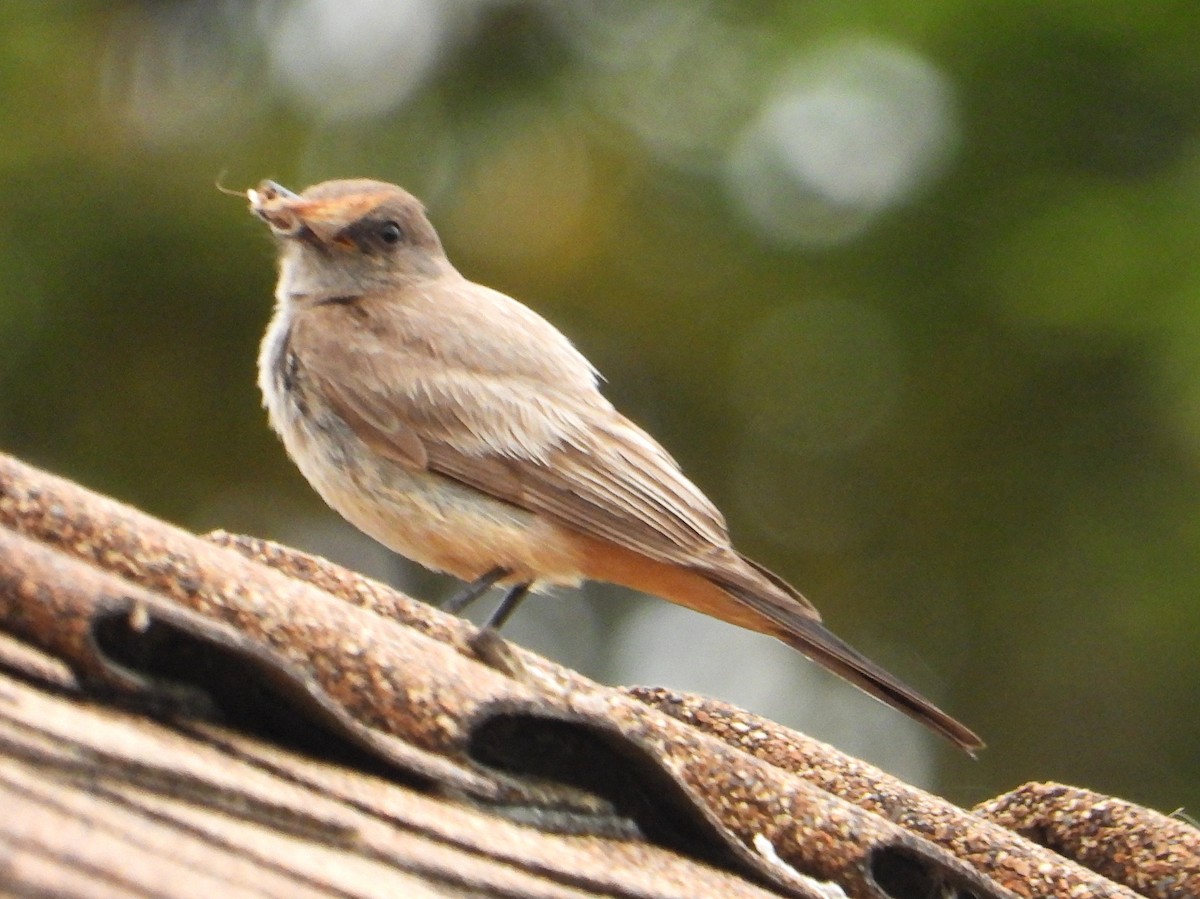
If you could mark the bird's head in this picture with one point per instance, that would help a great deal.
(348, 237)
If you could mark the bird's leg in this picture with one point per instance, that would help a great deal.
(507, 606)
(491, 648)
(472, 591)
(487, 642)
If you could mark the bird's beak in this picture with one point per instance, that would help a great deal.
(292, 216)
(269, 192)
(278, 207)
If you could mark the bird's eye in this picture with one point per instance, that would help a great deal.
(391, 233)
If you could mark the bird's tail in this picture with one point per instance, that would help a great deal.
(794, 621)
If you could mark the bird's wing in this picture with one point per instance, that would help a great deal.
(568, 455)
(542, 440)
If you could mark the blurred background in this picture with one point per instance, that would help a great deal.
(910, 289)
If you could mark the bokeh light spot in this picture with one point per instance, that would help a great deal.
(344, 59)
(532, 206)
(674, 74)
(848, 134)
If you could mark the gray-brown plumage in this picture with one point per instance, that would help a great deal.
(464, 431)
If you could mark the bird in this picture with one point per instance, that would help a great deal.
(462, 430)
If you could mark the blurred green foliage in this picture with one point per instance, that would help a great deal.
(967, 423)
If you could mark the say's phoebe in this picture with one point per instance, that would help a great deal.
(462, 430)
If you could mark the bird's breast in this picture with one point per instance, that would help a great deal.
(433, 520)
